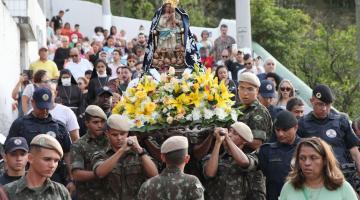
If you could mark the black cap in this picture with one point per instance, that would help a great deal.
(42, 98)
(267, 89)
(323, 93)
(285, 120)
(16, 143)
(104, 90)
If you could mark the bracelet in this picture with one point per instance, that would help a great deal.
(142, 153)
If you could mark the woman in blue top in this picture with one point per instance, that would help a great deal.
(316, 175)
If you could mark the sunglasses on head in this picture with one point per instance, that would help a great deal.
(287, 89)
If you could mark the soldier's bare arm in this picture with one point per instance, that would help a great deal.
(211, 166)
(239, 156)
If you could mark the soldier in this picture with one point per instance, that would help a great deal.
(173, 183)
(254, 115)
(15, 157)
(275, 158)
(45, 153)
(333, 128)
(87, 184)
(124, 164)
(39, 121)
(231, 174)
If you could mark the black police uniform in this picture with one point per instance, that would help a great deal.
(29, 126)
(274, 162)
(335, 129)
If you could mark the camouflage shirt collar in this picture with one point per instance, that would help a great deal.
(22, 185)
(168, 171)
(89, 138)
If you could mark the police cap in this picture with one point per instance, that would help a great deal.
(16, 143)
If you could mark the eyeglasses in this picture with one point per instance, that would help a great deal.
(248, 63)
(287, 89)
(72, 56)
(224, 56)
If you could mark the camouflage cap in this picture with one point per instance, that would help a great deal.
(243, 130)
(174, 143)
(48, 142)
(249, 77)
(119, 122)
(96, 111)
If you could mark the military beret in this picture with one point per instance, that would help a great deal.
(267, 89)
(119, 122)
(16, 143)
(285, 120)
(174, 143)
(95, 111)
(249, 78)
(48, 142)
(323, 93)
(243, 130)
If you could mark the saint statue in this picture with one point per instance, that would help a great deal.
(170, 41)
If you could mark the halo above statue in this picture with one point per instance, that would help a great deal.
(171, 42)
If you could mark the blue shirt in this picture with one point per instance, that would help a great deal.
(274, 162)
(335, 129)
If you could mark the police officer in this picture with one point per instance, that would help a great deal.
(104, 99)
(39, 121)
(267, 95)
(333, 128)
(124, 164)
(275, 158)
(173, 183)
(45, 153)
(15, 157)
(255, 115)
(229, 175)
(87, 184)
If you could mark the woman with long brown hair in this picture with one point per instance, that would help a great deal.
(316, 175)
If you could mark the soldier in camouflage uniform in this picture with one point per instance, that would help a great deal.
(124, 165)
(87, 184)
(45, 153)
(255, 115)
(173, 183)
(230, 175)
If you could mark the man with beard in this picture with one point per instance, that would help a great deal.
(44, 156)
(124, 165)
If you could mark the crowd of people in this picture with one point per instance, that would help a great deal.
(66, 131)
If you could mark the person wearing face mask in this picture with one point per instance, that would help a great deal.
(99, 78)
(69, 93)
(74, 39)
(98, 36)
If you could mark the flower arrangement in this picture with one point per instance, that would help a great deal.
(195, 98)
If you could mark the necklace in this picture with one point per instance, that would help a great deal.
(101, 85)
(67, 96)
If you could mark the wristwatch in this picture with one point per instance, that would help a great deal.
(143, 152)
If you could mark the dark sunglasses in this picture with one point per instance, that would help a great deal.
(72, 56)
(247, 63)
(225, 56)
(287, 89)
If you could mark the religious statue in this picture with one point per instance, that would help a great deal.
(170, 41)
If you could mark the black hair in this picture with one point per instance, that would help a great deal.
(223, 26)
(77, 25)
(175, 158)
(294, 102)
(247, 56)
(218, 68)
(276, 77)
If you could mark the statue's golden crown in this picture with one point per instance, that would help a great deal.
(173, 3)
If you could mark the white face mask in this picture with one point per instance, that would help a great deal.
(101, 75)
(66, 81)
(75, 40)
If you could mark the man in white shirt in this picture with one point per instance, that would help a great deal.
(77, 65)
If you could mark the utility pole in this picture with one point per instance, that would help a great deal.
(243, 24)
(106, 14)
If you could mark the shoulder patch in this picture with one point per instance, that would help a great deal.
(258, 117)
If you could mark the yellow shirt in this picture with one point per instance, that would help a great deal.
(49, 66)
